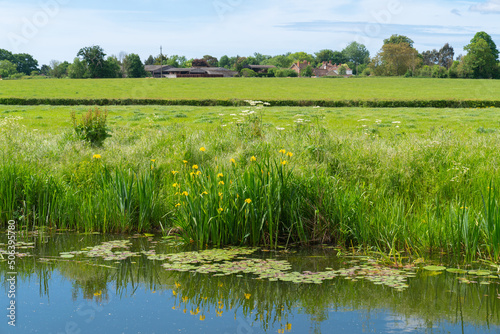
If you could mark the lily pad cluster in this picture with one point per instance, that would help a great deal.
(229, 262)
(105, 251)
(480, 276)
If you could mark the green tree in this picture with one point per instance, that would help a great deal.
(45, 70)
(212, 61)
(161, 60)
(324, 55)
(446, 54)
(280, 61)
(398, 39)
(133, 66)
(480, 59)
(260, 58)
(356, 53)
(307, 72)
(93, 56)
(430, 58)
(224, 62)
(489, 41)
(343, 70)
(199, 63)
(395, 59)
(78, 69)
(246, 72)
(6, 55)
(150, 60)
(58, 69)
(301, 56)
(7, 68)
(111, 68)
(25, 63)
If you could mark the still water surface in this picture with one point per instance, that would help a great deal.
(74, 283)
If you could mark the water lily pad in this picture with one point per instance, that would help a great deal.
(456, 271)
(435, 268)
(479, 272)
(66, 256)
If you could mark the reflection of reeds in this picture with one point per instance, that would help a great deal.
(429, 297)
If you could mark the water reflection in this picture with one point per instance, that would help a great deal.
(102, 293)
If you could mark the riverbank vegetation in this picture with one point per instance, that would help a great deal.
(403, 182)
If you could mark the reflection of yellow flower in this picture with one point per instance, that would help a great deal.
(174, 292)
(247, 295)
(248, 200)
(281, 330)
(96, 156)
(177, 285)
(173, 307)
(288, 326)
(185, 299)
(202, 317)
(195, 166)
(184, 311)
(253, 158)
(202, 149)
(98, 293)
(220, 175)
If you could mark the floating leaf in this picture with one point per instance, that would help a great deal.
(435, 268)
(66, 256)
(456, 271)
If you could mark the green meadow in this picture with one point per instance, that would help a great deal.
(394, 180)
(297, 89)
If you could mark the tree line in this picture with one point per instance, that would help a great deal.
(397, 57)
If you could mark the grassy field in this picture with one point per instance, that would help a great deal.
(256, 89)
(384, 122)
(414, 180)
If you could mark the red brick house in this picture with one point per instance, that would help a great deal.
(298, 66)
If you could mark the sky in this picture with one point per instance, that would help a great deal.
(57, 29)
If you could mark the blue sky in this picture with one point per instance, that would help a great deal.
(57, 29)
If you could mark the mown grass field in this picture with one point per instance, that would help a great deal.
(256, 89)
(414, 180)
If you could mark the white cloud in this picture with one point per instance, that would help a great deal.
(488, 7)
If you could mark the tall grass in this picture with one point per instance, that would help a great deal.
(391, 190)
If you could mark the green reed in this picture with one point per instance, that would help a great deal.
(257, 204)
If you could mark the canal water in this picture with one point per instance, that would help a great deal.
(90, 283)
